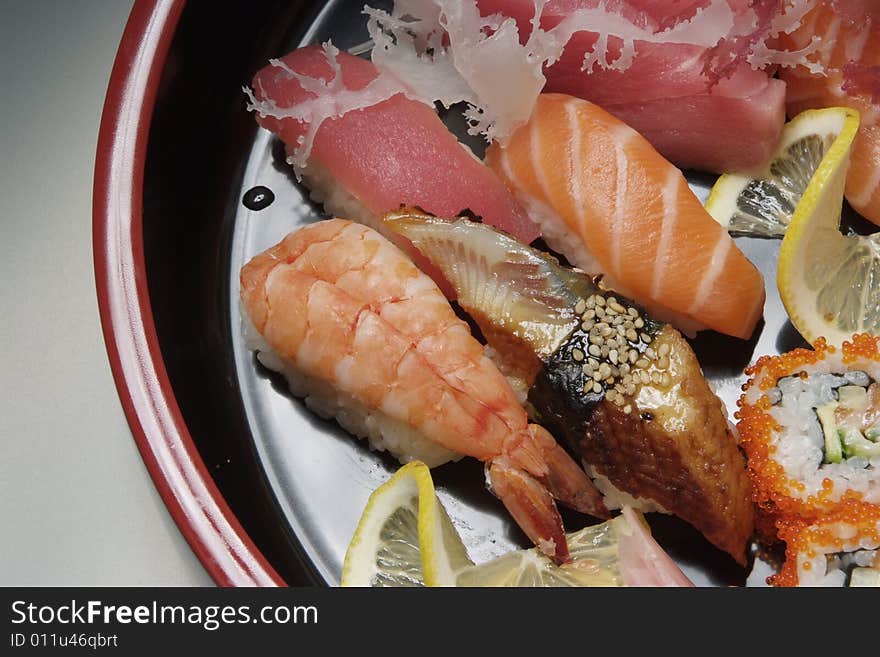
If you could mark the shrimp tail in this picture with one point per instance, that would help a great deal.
(565, 480)
(532, 506)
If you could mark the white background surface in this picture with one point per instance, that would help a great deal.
(77, 506)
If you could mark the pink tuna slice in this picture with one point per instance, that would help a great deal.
(664, 94)
(391, 154)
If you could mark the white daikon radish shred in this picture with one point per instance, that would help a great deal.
(331, 99)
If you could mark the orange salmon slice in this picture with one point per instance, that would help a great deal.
(619, 206)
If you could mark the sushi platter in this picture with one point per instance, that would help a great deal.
(596, 359)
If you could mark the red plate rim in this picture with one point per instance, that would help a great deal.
(161, 434)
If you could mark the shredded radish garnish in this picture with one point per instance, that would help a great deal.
(331, 99)
(444, 51)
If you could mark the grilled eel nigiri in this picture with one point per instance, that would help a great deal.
(625, 392)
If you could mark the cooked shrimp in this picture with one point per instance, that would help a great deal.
(341, 305)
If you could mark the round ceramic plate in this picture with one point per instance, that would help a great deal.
(266, 492)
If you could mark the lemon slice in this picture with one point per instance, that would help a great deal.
(404, 537)
(762, 203)
(828, 282)
(594, 553)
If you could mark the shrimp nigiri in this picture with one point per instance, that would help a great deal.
(611, 204)
(369, 339)
(624, 391)
(850, 57)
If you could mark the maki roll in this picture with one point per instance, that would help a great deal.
(810, 426)
(841, 549)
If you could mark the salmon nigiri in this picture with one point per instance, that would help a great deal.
(611, 204)
(850, 56)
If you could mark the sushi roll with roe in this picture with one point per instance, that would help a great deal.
(841, 549)
(810, 426)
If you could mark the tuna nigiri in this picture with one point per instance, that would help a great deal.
(850, 56)
(363, 148)
(665, 93)
(611, 204)
(369, 339)
(625, 392)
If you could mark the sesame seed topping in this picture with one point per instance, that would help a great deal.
(630, 388)
(587, 369)
(644, 377)
(580, 307)
(632, 336)
(666, 380)
(597, 388)
(587, 325)
(656, 379)
(590, 314)
(632, 312)
(663, 363)
(600, 300)
(577, 354)
(633, 356)
(595, 351)
(628, 325)
(606, 331)
(600, 312)
(627, 409)
(588, 386)
(595, 340)
(616, 307)
(639, 323)
(642, 362)
(612, 356)
(591, 302)
(594, 363)
(645, 338)
(664, 350)
(650, 353)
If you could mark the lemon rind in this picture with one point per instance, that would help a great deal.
(800, 224)
(721, 202)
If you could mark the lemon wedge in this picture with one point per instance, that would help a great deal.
(404, 537)
(829, 282)
(594, 554)
(762, 202)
